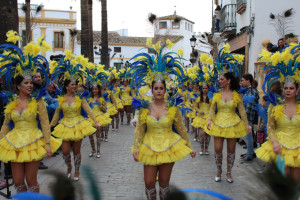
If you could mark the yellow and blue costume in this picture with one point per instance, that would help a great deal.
(200, 120)
(226, 123)
(116, 94)
(156, 141)
(111, 104)
(73, 126)
(126, 96)
(100, 112)
(286, 131)
(25, 142)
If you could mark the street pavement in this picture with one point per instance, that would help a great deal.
(119, 177)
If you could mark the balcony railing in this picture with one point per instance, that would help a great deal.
(241, 6)
(228, 17)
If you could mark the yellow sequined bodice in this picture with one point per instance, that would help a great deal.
(72, 113)
(126, 94)
(205, 108)
(160, 136)
(226, 115)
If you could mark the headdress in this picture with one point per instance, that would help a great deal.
(70, 67)
(96, 75)
(206, 74)
(281, 66)
(15, 61)
(227, 62)
(158, 67)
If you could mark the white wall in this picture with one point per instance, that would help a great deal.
(264, 30)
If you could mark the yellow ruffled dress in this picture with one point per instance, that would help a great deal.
(226, 123)
(111, 104)
(125, 96)
(287, 132)
(100, 113)
(200, 120)
(73, 126)
(116, 93)
(189, 104)
(26, 142)
(155, 140)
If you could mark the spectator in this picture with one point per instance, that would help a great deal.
(218, 17)
(271, 48)
(280, 44)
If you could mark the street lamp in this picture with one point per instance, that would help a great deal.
(194, 54)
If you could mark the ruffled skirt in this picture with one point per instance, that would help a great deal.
(111, 109)
(31, 152)
(199, 122)
(126, 102)
(74, 133)
(235, 131)
(291, 156)
(102, 119)
(176, 152)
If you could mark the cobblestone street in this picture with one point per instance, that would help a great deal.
(119, 177)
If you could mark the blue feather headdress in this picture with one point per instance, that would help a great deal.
(96, 75)
(281, 66)
(69, 67)
(158, 67)
(15, 61)
(227, 62)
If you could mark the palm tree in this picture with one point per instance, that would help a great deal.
(27, 21)
(9, 18)
(104, 36)
(87, 29)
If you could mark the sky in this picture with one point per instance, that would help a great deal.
(133, 14)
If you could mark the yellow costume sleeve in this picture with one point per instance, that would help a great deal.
(212, 110)
(178, 122)
(103, 105)
(112, 97)
(196, 105)
(240, 106)
(139, 134)
(88, 109)
(5, 128)
(55, 117)
(271, 123)
(43, 116)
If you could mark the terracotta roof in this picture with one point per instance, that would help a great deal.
(173, 17)
(115, 38)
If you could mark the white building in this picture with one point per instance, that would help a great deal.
(246, 23)
(55, 25)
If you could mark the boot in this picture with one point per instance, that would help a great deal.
(117, 123)
(106, 133)
(77, 162)
(98, 146)
(207, 141)
(67, 159)
(163, 192)
(122, 117)
(35, 188)
(128, 118)
(230, 162)
(218, 158)
(201, 144)
(113, 124)
(150, 193)
(92, 141)
(187, 124)
(20, 188)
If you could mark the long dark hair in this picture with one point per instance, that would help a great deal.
(66, 83)
(201, 96)
(99, 91)
(234, 83)
(18, 80)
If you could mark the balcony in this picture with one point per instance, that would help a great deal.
(228, 20)
(241, 6)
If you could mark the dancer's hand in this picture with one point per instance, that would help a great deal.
(208, 124)
(49, 152)
(193, 154)
(136, 156)
(98, 126)
(249, 129)
(276, 147)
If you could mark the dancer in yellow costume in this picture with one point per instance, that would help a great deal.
(226, 123)
(283, 116)
(96, 79)
(25, 135)
(73, 126)
(156, 145)
(126, 96)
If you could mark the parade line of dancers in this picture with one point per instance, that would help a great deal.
(157, 95)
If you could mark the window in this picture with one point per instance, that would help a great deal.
(191, 27)
(175, 25)
(185, 25)
(58, 39)
(117, 49)
(162, 25)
